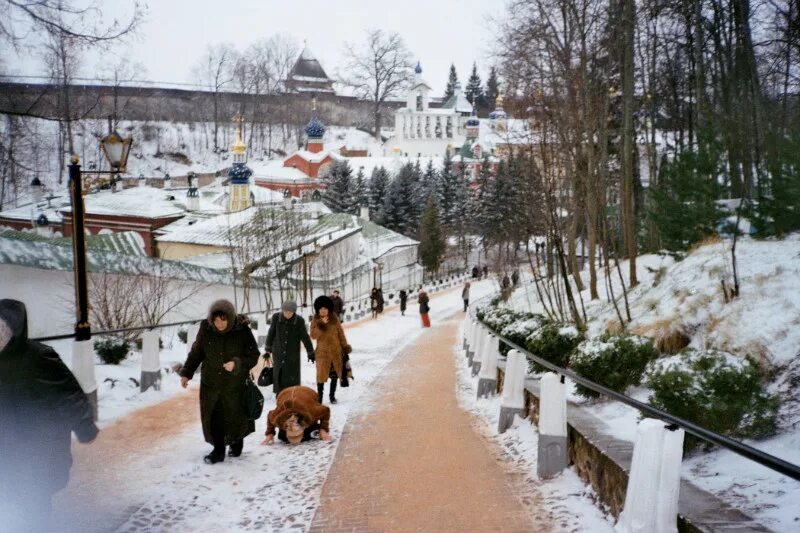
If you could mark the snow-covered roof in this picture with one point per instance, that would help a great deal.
(458, 102)
(215, 231)
(307, 66)
(379, 240)
(144, 202)
(32, 212)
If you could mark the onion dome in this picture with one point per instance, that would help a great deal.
(473, 122)
(418, 68)
(315, 129)
(42, 220)
(239, 174)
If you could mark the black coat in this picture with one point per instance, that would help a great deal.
(41, 403)
(283, 340)
(214, 348)
(403, 298)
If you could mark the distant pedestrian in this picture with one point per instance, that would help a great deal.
(226, 348)
(506, 283)
(403, 298)
(41, 404)
(476, 274)
(424, 307)
(465, 295)
(331, 346)
(297, 416)
(374, 298)
(287, 330)
(338, 305)
(485, 271)
(515, 277)
(381, 301)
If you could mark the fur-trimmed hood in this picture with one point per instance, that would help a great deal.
(230, 313)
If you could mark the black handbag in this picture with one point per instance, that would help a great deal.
(267, 376)
(252, 400)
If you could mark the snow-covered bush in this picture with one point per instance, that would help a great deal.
(112, 350)
(554, 342)
(519, 331)
(183, 335)
(616, 362)
(497, 318)
(716, 390)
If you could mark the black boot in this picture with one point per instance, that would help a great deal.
(333, 389)
(236, 448)
(216, 456)
(320, 390)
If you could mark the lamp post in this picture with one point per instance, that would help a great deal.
(116, 150)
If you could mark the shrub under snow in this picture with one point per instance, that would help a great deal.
(616, 362)
(553, 342)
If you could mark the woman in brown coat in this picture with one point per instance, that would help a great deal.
(331, 345)
(227, 349)
(296, 415)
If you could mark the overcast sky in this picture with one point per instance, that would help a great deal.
(175, 33)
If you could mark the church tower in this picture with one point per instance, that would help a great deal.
(239, 174)
(315, 131)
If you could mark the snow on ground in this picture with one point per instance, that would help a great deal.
(277, 487)
(574, 504)
(762, 323)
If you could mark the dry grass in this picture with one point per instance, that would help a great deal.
(669, 337)
(711, 239)
(613, 327)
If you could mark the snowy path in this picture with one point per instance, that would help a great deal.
(150, 475)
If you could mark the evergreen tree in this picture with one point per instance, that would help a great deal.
(452, 81)
(378, 185)
(360, 194)
(398, 208)
(683, 204)
(492, 89)
(474, 91)
(778, 209)
(432, 244)
(338, 195)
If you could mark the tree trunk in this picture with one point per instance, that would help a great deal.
(627, 200)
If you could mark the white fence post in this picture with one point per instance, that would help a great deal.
(472, 343)
(467, 328)
(651, 500)
(151, 362)
(84, 372)
(480, 349)
(552, 426)
(513, 397)
(487, 379)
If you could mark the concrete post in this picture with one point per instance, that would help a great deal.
(83, 369)
(467, 331)
(552, 426)
(487, 379)
(651, 500)
(151, 362)
(485, 345)
(474, 336)
(191, 335)
(513, 397)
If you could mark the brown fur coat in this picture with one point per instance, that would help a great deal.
(331, 345)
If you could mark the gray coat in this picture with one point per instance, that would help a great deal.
(283, 341)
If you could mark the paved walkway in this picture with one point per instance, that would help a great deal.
(414, 463)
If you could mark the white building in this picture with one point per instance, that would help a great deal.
(421, 130)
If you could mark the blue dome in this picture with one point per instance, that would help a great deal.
(315, 129)
(498, 113)
(418, 68)
(472, 121)
(239, 174)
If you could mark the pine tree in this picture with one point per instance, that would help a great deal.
(398, 208)
(378, 185)
(474, 91)
(432, 244)
(452, 81)
(338, 195)
(360, 191)
(492, 89)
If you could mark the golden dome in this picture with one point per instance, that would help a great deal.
(239, 147)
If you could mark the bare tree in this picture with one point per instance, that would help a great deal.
(215, 71)
(377, 70)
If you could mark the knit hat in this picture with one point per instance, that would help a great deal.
(5, 334)
(323, 301)
(289, 305)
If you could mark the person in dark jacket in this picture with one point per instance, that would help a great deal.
(381, 301)
(424, 307)
(465, 295)
(227, 349)
(287, 330)
(403, 298)
(41, 404)
(374, 302)
(338, 305)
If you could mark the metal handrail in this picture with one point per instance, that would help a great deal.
(764, 459)
(139, 328)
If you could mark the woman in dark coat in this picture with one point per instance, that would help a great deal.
(226, 347)
(374, 302)
(41, 404)
(403, 298)
(287, 330)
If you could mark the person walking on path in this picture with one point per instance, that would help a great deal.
(41, 404)
(515, 278)
(287, 330)
(485, 271)
(373, 302)
(338, 305)
(424, 307)
(403, 298)
(296, 416)
(381, 301)
(331, 346)
(227, 349)
(475, 272)
(465, 295)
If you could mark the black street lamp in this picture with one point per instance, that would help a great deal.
(116, 150)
